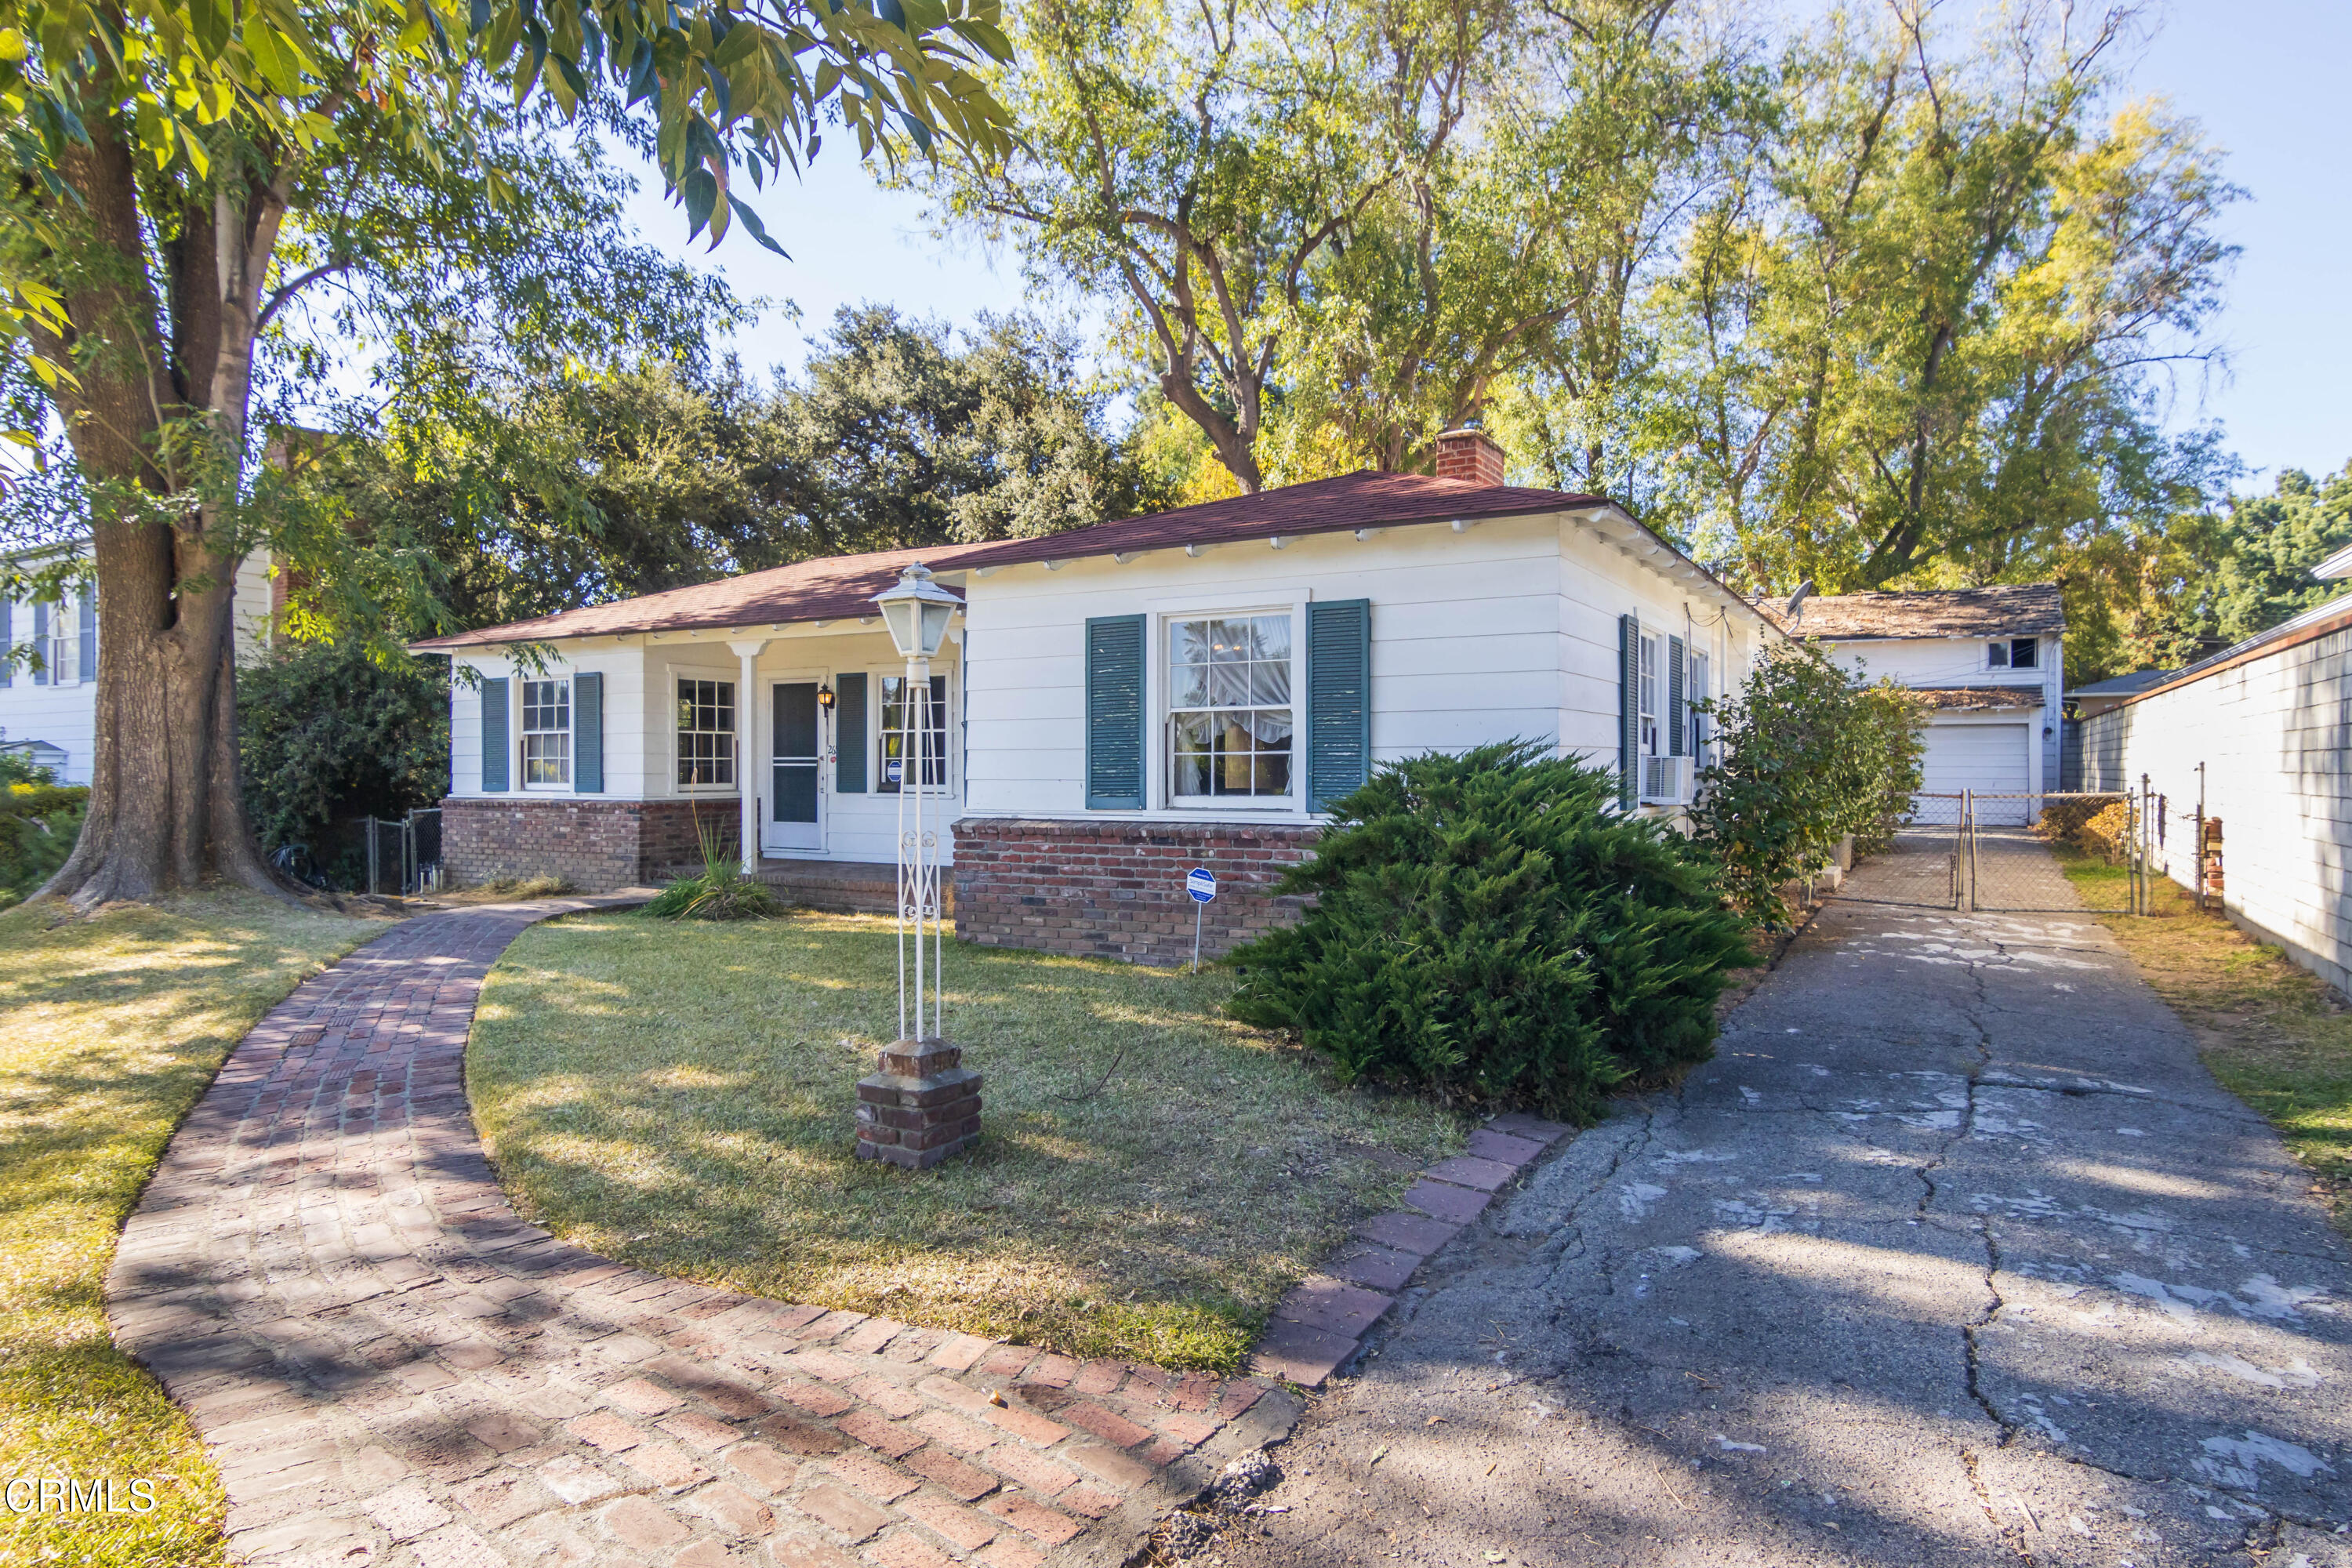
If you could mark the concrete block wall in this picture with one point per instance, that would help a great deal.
(1116, 889)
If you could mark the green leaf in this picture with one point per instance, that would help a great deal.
(757, 229)
(700, 191)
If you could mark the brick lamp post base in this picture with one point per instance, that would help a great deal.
(921, 1106)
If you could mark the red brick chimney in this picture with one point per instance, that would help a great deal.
(1469, 453)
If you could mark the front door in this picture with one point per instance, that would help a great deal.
(795, 795)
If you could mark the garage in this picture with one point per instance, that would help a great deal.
(1994, 758)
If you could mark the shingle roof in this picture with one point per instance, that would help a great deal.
(2009, 610)
(833, 587)
(1979, 699)
(1322, 505)
(838, 587)
(2123, 685)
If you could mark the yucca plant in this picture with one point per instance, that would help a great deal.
(721, 892)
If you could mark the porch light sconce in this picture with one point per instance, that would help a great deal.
(824, 697)
(923, 1104)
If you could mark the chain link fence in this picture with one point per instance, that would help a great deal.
(1971, 849)
(2012, 868)
(403, 856)
(1921, 868)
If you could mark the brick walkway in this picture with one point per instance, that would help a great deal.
(390, 1369)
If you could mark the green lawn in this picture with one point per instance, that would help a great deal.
(114, 1026)
(2270, 1030)
(680, 1096)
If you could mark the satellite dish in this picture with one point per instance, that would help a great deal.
(1797, 600)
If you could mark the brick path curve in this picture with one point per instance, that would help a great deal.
(393, 1371)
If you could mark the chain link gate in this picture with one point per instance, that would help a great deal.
(1971, 851)
(403, 856)
(1922, 868)
(2012, 870)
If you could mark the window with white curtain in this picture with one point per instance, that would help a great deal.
(1231, 728)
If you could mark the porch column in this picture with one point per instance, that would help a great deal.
(747, 752)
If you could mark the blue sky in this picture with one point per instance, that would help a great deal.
(2261, 75)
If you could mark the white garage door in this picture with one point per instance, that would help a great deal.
(1990, 759)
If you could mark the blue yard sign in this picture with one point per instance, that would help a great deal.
(1202, 883)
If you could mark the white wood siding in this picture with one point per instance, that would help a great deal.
(1507, 630)
(63, 711)
(2273, 735)
(640, 726)
(1961, 661)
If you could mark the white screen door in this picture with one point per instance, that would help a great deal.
(795, 790)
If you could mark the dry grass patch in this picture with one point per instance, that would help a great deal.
(2270, 1030)
(115, 1025)
(680, 1096)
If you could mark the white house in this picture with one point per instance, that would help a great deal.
(1989, 661)
(48, 688)
(1115, 704)
(2259, 736)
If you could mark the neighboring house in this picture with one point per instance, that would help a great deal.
(1114, 705)
(2261, 735)
(1990, 663)
(48, 705)
(2088, 703)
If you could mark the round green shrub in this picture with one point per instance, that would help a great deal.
(1485, 927)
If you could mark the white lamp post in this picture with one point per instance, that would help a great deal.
(917, 611)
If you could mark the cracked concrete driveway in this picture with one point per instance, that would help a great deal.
(1954, 1254)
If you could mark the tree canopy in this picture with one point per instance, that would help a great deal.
(187, 173)
(1871, 301)
(532, 491)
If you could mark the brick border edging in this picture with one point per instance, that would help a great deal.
(384, 1359)
(1321, 1326)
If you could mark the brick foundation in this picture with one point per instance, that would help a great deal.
(594, 845)
(1116, 889)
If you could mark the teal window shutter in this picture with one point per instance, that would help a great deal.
(1675, 724)
(849, 733)
(1629, 711)
(1339, 699)
(1115, 713)
(496, 748)
(588, 734)
(41, 671)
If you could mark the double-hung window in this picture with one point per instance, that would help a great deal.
(706, 733)
(2016, 653)
(1230, 733)
(902, 721)
(546, 734)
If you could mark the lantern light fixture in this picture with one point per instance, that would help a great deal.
(917, 610)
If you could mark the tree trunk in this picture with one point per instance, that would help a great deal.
(166, 812)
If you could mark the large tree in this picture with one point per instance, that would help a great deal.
(186, 170)
(1922, 335)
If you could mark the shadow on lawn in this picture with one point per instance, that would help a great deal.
(682, 1099)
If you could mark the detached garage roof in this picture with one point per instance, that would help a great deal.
(1979, 699)
(2023, 609)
